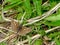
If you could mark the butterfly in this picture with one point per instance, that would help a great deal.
(21, 30)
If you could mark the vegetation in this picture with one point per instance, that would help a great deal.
(29, 22)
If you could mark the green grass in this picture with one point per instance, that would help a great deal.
(22, 6)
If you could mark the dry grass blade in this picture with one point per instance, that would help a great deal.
(44, 15)
(7, 38)
(38, 35)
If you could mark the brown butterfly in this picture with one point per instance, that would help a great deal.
(16, 27)
(21, 30)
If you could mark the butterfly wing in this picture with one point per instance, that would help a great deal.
(14, 25)
(24, 31)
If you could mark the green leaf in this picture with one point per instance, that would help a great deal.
(19, 16)
(53, 20)
(53, 35)
(57, 42)
(29, 40)
(52, 3)
(1, 19)
(42, 32)
(38, 42)
(3, 43)
(15, 3)
(27, 8)
(37, 4)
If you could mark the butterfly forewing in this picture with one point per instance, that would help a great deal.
(14, 25)
(24, 31)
